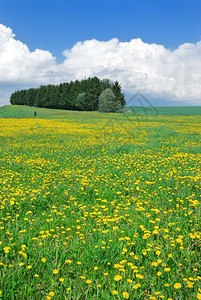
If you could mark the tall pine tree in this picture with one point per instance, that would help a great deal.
(116, 87)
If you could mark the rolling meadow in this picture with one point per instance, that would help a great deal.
(100, 205)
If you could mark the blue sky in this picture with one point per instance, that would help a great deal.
(56, 26)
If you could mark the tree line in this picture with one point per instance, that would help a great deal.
(87, 95)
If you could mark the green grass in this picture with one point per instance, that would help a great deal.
(118, 193)
(168, 110)
(21, 111)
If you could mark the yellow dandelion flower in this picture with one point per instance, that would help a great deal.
(114, 292)
(125, 295)
(61, 279)
(136, 286)
(139, 276)
(51, 294)
(167, 269)
(6, 249)
(68, 261)
(177, 285)
(88, 281)
(117, 277)
(55, 271)
(43, 260)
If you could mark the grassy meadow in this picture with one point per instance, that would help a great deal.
(100, 206)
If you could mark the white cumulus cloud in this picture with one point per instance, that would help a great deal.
(18, 64)
(148, 68)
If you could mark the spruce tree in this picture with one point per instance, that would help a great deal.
(116, 87)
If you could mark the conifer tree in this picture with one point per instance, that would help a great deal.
(116, 87)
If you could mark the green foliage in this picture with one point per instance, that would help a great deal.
(108, 102)
(116, 87)
(78, 95)
(81, 101)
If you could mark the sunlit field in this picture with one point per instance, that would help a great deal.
(100, 206)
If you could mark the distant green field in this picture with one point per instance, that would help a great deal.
(21, 111)
(168, 110)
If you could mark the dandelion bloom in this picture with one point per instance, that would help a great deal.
(167, 269)
(177, 285)
(43, 260)
(51, 294)
(55, 271)
(68, 261)
(114, 292)
(61, 279)
(88, 281)
(125, 295)
(136, 287)
(117, 277)
(139, 276)
(6, 249)
(198, 296)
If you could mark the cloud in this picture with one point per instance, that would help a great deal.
(18, 64)
(149, 68)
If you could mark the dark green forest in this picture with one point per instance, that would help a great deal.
(74, 95)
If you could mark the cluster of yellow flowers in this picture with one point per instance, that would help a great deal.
(86, 210)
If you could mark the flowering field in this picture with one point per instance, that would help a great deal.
(100, 206)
